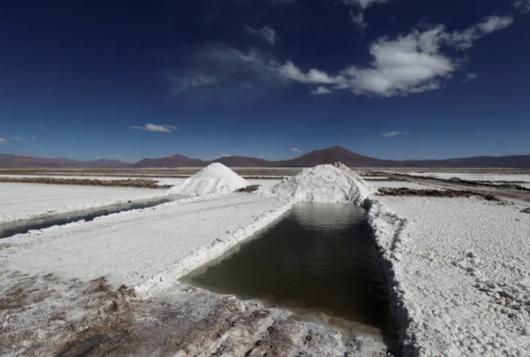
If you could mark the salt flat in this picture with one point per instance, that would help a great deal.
(23, 200)
(474, 176)
(59, 271)
(155, 239)
(463, 268)
(173, 181)
(459, 268)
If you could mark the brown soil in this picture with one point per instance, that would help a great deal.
(251, 188)
(47, 316)
(402, 191)
(180, 328)
(500, 185)
(43, 315)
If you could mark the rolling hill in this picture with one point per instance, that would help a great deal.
(317, 157)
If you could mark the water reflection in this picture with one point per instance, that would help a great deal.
(320, 258)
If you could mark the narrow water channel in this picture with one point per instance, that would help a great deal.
(319, 258)
(21, 226)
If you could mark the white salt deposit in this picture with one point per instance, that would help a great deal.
(324, 183)
(458, 267)
(213, 179)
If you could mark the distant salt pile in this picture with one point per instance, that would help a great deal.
(324, 183)
(215, 178)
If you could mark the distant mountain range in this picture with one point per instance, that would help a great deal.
(323, 156)
(24, 161)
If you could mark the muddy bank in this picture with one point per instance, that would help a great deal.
(38, 314)
(45, 316)
(403, 191)
(497, 184)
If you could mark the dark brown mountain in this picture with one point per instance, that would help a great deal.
(26, 161)
(323, 156)
(170, 161)
(332, 155)
(244, 161)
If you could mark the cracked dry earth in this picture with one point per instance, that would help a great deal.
(46, 316)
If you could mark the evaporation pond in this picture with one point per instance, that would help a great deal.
(318, 258)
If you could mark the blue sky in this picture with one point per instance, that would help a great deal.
(396, 79)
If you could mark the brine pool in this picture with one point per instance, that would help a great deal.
(319, 258)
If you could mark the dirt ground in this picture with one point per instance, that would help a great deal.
(403, 191)
(44, 316)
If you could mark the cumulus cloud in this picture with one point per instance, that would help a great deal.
(522, 6)
(363, 4)
(313, 76)
(183, 84)
(465, 39)
(357, 11)
(271, 1)
(3, 141)
(156, 128)
(404, 65)
(469, 77)
(393, 133)
(409, 64)
(266, 33)
(225, 72)
(357, 18)
(23, 139)
(296, 150)
(412, 63)
(320, 90)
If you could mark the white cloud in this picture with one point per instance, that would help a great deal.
(412, 63)
(296, 150)
(271, 1)
(3, 141)
(522, 6)
(23, 139)
(404, 65)
(320, 90)
(266, 33)
(313, 76)
(156, 128)
(408, 64)
(363, 4)
(223, 72)
(494, 23)
(357, 11)
(194, 81)
(465, 39)
(357, 18)
(469, 77)
(393, 133)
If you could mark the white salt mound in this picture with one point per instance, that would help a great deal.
(213, 179)
(324, 183)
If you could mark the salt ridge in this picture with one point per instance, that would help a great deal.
(323, 183)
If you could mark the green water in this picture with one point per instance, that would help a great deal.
(318, 258)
